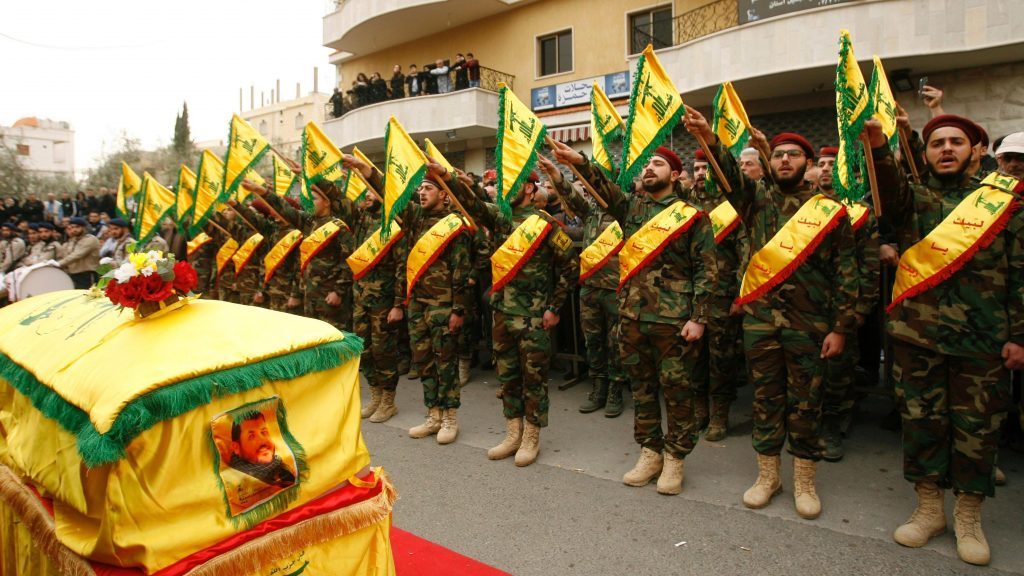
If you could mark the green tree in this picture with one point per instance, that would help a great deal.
(182, 143)
(15, 180)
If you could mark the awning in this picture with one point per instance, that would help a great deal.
(570, 133)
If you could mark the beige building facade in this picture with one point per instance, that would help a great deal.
(44, 147)
(780, 56)
(281, 122)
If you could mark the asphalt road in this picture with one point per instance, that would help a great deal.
(569, 513)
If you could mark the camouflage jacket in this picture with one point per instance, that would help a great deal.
(733, 253)
(869, 268)
(328, 271)
(819, 296)
(981, 307)
(548, 276)
(679, 284)
(480, 256)
(445, 282)
(204, 262)
(285, 281)
(595, 221)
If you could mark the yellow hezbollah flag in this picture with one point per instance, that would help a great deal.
(209, 180)
(520, 135)
(157, 201)
(283, 176)
(606, 126)
(730, 122)
(355, 187)
(128, 185)
(884, 104)
(321, 160)
(655, 108)
(245, 148)
(185, 190)
(405, 167)
(853, 108)
(438, 157)
(241, 193)
(359, 154)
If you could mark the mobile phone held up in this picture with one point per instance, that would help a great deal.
(920, 86)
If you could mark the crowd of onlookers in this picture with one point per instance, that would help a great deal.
(441, 77)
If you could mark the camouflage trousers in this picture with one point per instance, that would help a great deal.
(433, 354)
(725, 359)
(952, 409)
(522, 351)
(786, 370)
(840, 379)
(380, 346)
(314, 305)
(599, 317)
(468, 337)
(658, 359)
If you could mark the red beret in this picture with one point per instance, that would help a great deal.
(699, 156)
(673, 160)
(984, 135)
(490, 175)
(829, 151)
(533, 177)
(433, 180)
(793, 138)
(965, 125)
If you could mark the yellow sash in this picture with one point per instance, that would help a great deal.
(646, 243)
(318, 240)
(196, 243)
(279, 252)
(428, 247)
(510, 257)
(790, 246)
(244, 253)
(225, 253)
(724, 220)
(971, 226)
(373, 250)
(858, 214)
(595, 256)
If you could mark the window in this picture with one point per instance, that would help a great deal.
(555, 53)
(23, 150)
(263, 127)
(300, 121)
(652, 26)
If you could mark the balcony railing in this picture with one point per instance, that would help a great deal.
(688, 26)
(489, 80)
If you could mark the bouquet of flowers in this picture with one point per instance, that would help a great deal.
(147, 281)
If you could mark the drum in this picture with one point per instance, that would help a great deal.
(39, 279)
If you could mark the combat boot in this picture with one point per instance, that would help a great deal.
(449, 426)
(971, 545)
(928, 519)
(530, 447)
(463, 371)
(719, 425)
(387, 407)
(1000, 477)
(613, 407)
(597, 398)
(767, 484)
(700, 412)
(370, 408)
(513, 438)
(647, 467)
(431, 426)
(832, 435)
(671, 479)
(808, 506)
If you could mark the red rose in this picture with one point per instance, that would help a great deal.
(130, 293)
(185, 277)
(113, 291)
(153, 288)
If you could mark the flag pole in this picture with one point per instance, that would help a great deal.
(908, 154)
(451, 196)
(219, 227)
(373, 192)
(872, 178)
(586, 185)
(719, 175)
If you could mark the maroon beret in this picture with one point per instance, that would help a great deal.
(793, 138)
(828, 151)
(968, 127)
(699, 156)
(671, 157)
(433, 180)
(984, 135)
(533, 177)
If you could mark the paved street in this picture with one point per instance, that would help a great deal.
(569, 513)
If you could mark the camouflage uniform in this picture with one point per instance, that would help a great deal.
(522, 347)
(225, 282)
(783, 330)
(480, 260)
(675, 287)
(724, 332)
(203, 261)
(950, 382)
(599, 302)
(284, 284)
(327, 271)
(442, 290)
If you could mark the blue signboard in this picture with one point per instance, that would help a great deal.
(576, 92)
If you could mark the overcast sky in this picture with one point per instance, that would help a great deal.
(115, 65)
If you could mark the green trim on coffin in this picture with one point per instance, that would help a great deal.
(171, 400)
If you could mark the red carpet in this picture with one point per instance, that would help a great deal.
(415, 556)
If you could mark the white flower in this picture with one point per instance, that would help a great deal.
(124, 272)
(148, 270)
(106, 260)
